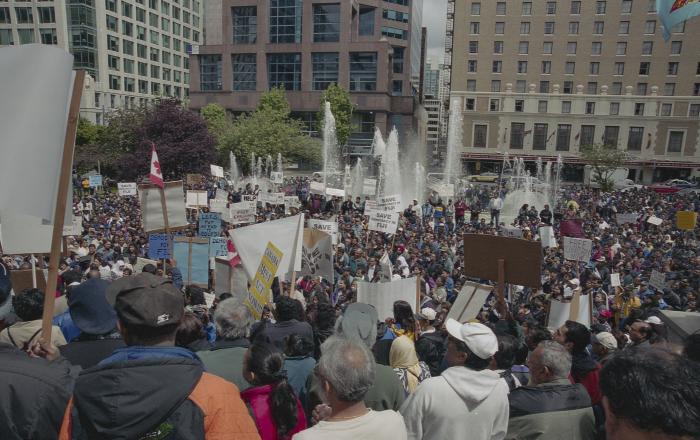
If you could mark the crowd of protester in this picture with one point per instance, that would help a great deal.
(140, 355)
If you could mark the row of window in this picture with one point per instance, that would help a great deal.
(28, 36)
(25, 15)
(550, 7)
(165, 7)
(572, 47)
(570, 67)
(145, 87)
(86, 38)
(155, 37)
(573, 28)
(129, 66)
(561, 134)
(642, 88)
(284, 70)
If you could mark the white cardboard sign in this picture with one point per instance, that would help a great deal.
(277, 177)
(369, 187)
(654, 220)
(577, 249)
(384, 221)
(330, 228)
(615, 280)
(547, 237)
(390, 203)
(127, 189)
(217, 171)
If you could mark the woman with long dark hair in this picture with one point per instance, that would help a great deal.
(277, 411)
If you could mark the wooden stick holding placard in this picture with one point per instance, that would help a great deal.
(33, 271)
(60, 210)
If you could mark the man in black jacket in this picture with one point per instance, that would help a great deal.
(430, 345)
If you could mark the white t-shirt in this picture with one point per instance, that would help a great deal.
(373, 425)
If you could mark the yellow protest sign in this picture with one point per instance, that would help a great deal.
(686, 220)
(259, 288)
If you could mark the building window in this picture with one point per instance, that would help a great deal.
(542, 106)
(598, 27)
(363, 71)
(366, 27)
(527, 8)
(517, 135)
(500, 28)
(325, 70)
(209, 72)
(590, 108)
(327, 23)
(473, 47)
(393, 32)
(396, 87)
(519, 105)
(694, 110)
(570, 68)
(546, 67)
(6, 37)
(575, 8)
(284, 70)
(390, 14)
(495, 85)
(24, 15)
(672, 68)
(644, 68)
(113, 43)
(548, 27)
(647, 47)
(614, 108)
(471, 85)
(696, 89)
(639, 109)
(474, 28)
(563, 137)
(476, 8)
(497, 66)
(547, 47)
(498, 47)
(551, 8)
(568, 87)
(600, 7)
(544, 86)
(471, 66)
(114, 83)
(650, 27)
(46, 15)
(624, 28)
(669, 89)
(112, 62)
(494, 105)
(566, 107)
(634, 139)
(675, 141)
(676, 47)
(621, 48)
(500, 8)
(619, 68)
(587, 135)
(539, 138)
(480, 135)
(520, 86)
(285, 21)
(523, 47)
(470, 104)
(610, 136)
(245, 24)
(524, 28)
(573, 27)
(594, 68)
(522, 66)
(244, 71)
(48, 36)
(679, 28)
(626, 7)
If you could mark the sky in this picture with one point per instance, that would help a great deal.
(434, 17)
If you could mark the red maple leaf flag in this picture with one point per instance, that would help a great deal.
(233, 258)
(156, 174)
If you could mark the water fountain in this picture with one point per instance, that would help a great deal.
(279, 162)
(357, 179)
(235, 171)
(524, 188)
(330, 145)
(453, 165)
(391, 170)
(420, 177)
(378, 145)
(259, 172)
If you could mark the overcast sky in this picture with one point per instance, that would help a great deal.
(434, 16)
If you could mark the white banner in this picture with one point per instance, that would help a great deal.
(390, 203)
(217, 171)
(512, 232)
(654, 220)
(369, 187)
(615, 280)
(152, 208)
(316, 188)
(317, 255)
(277, 177)
(630, 217)
(334, 192)
(251, 199)
(74, 229)
(657, 279)
(292, 202)
(547, 237)
(196, 199)
(579, 310)
(470, 301)
(127, 189)
(218, 205)
(385, 265)
(241, 213)
(330, 228)
(386, 222)
(383, 295)
(271, 198)
(577, 249)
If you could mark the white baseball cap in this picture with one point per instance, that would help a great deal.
(427, 313)
(479, 338)
(653, 320)
(607, 340)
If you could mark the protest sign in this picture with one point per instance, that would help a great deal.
(251, 199)
(385, 266)
(383, 295)
(24, 279)
(577, 249)
(218, 205)
(127, 189)
(221, 194)
(258, 294)
(630, 217)
(194, 179)
(615, 280)
(192, 256)
(271, 198)
(73, 229)
(317, 188)
(95, 180)
(331, 228)
(390, 203)
(317, 254)
(512, 232)
(335, 192)
(522, 259)
(547, 237)
(230, 279)
(291, 202)
(571, 228)
(603, 226)
(217, 247)
(654, 220)
(579, 310)
(158, 246)
(152, 206)
(196, 199)
(369, 187)
(217, 171)
(686, 220)
(370, 208)
(384, 221)
(277, 177)
(141, 262)
(286, 233)
(469, 302)
(241, 213)
(209, 224)
(657, 279)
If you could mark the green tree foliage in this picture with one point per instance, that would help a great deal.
(270, 130)
(217, 120)
(342, 109)
(604, 160)
(87, 132)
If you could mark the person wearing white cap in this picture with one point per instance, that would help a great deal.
(468, 400)
(603, 345)
(430, 345)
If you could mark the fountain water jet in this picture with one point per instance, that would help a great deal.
(453, 165)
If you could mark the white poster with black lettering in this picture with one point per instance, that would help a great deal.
(384, 221)
(330, 228)
(577, 249)
(241, 213)
(317, 254)
(390, 203)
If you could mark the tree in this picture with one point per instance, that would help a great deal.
(342, 109)
(217, 120)
(270, 130)
(87, 132)
(604, 160)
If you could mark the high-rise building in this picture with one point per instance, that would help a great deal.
(545, 78)
(431, 81)
(134, 50)
(366, 47)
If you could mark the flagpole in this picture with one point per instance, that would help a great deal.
(60, 210)
(164, 207)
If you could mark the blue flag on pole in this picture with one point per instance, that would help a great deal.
(672, 12)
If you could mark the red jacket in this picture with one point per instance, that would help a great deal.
(258, 399)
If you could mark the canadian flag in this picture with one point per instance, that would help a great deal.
(156, 174)
(233, 258)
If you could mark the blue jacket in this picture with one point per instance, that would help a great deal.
(137, 352)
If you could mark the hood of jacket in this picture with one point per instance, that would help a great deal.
(471, 386)
(124, 400)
